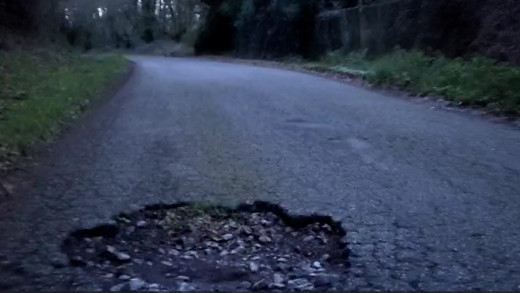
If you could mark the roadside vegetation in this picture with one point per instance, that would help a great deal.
(41, 89)
(477, 81)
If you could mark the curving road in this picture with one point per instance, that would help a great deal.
(430, 199)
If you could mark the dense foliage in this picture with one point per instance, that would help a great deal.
(259, 28)
(269, 28)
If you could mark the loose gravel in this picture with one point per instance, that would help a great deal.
(189, 247)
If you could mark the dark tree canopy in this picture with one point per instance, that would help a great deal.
(263, 28)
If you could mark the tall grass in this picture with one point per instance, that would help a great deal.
(475, 82)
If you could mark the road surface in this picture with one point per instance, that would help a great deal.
(430, 199)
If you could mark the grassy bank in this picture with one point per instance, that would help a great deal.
(475, 82)
(42, 89)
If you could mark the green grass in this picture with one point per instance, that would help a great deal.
(475, 82)
(42, 89)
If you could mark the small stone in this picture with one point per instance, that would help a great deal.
(117, 288)
(279, 280)
(108, 276)
(184, 287)
(121, 256)
(265, 222)
(57, 262)
(308, 238)
(323, 239)
(136, 284)
(193, 254)
(224, 253)
(167, 263)
(216, 238)
(124, 220)
(142, 224)
(110, 222)
(316, 265)
(325, 257)
(247, 230)
(174, 252)
(149, 263)
(212, 244)
(260, 285)
(111, 249)
(301, 284)
(227, 237)
(183, 278)
(77, 261)
(265, 239)
(245, 285)
(207, 251)
(138, 261)
(233, 224)
(282, 259)
(113, 254)
(253, 267)
(327, 227)
(161, 251)
(124, 277)
(153, 287)
(238, 250)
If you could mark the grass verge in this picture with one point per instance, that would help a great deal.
(475, 82)
(42, 89)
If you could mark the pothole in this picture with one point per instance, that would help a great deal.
(206, 248)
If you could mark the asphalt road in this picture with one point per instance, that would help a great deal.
(430, 199)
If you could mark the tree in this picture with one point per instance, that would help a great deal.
(123, 23)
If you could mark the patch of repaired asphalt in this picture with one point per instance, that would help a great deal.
(193, 247)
